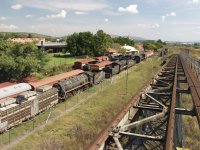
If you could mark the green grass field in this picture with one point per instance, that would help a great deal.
(67, 59)
(85, 122)
(57, 65)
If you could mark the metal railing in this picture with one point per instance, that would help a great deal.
(192, 62)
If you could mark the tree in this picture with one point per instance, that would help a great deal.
(116, 46)
(30, 35)
(153, 45)
(122, 51)
(85, 43)
(102, 42)
(124, 40)
(81, 43)
(18, 60)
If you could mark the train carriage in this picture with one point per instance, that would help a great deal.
(47, 97)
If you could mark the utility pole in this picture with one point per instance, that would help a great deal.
(127, 80)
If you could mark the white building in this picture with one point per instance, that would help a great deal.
(130, 49)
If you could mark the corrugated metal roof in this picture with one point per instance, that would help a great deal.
(53, 79)
(14, 89)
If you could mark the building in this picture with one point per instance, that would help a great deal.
(130, 50)
(25, 40)
(52, 47)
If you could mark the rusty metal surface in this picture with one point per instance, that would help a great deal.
(165, 84)
(194, 86)
(170, 129)
(104, 134)
(101, 64)
(53, 79)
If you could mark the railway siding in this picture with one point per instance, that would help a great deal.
(92, 111)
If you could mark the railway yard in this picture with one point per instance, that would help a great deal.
(132, 102)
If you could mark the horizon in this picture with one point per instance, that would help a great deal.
(167, 20)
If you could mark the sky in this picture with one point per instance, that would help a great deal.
(169, 20)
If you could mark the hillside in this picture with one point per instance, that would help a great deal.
(136, 38)
(23, 35)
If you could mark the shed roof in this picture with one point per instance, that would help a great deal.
(53, 79)
(130, 48)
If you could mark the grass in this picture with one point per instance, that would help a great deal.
(67, 59)
(56, 64)
(84, 123)
(190, 125)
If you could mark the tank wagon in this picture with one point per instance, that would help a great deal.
(14, 89)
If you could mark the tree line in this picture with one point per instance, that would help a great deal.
(87, 43)
(19, 60)
(153, 45)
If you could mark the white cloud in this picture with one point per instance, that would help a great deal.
(80, 12)
(110, 13)
(17, 6)
(130, 9)
(29, 16)
(3, 18)
(61, 14)
(148, 25)
(7, 27)
(194, 1)
(78, 5)
(106, 19)
(171, 14)
(156, 25)
(163, 18)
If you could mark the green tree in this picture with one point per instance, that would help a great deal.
(30, 35)
(153, 45)
(81, 43)
(102, 42)
(18, 60)
(124, 40)
(122, 51)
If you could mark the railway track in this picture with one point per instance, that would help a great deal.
(152, 118)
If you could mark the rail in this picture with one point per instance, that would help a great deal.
(152, 118)
(193, 82)
(192, 62)
(146, 118)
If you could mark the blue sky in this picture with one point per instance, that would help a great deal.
(172, 20)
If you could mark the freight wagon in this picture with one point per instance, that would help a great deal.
(26, 105)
